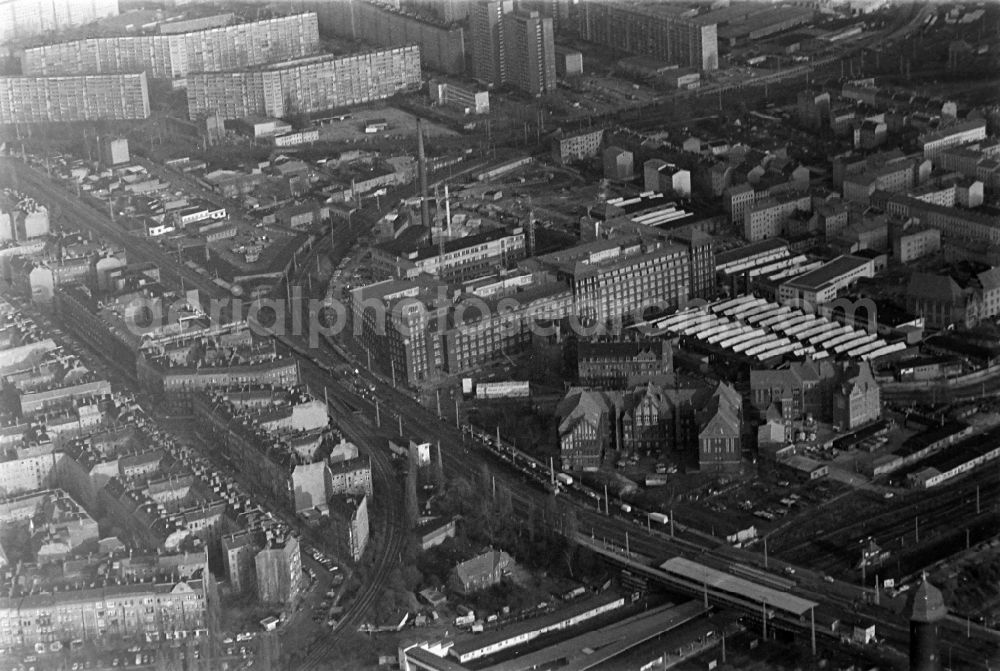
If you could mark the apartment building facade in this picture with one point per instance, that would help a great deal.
(349, 522)
(766, 218)
(531, 57)
(659, 30)
(935, 142)
(951, 221)
(304, 85)
(442, 45)
(577, 147)
(461, 97)
(279, 572)
(104, 97)
(163, 603)
(489, 54)
(174, 56)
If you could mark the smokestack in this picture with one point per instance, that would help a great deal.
(447, 209)
(425, 219)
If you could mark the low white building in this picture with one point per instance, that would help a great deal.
(821, 285)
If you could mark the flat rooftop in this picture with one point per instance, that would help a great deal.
(968, 449)
(919, 441)
(595, 647)
(730, 584)
(827, 273)
(480, 641)
(750, 250)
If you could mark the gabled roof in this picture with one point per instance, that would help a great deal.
(581, 405)
(990, 279)
(722, 423)
(860, 376)
(771, 432)
(720, 416)
(482, 565)
(934, 287)
(727, 394)
(926, 603)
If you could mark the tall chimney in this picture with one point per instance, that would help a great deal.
(447, 209)
(425, 219)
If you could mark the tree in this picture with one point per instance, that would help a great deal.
(412, 504)
(458, 497)
(505, 505)
(412, 577)
(485, 478)
(570, 528)
(439, 470)
(454, 583)
(551, 512)
(531, 521)
(570, 525)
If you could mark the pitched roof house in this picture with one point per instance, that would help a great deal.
(483, 570)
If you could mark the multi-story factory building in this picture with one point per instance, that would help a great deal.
(455, 260)
(110, 97)
(173, 56)
(661, 30)
(622, 278)
(304, 85)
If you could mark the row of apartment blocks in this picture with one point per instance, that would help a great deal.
(155, 493)
(175, 55)
(304, 85)
(977, 160)
(287, 451)
(102, 97)
(156, 597)
(953, 222)
(225, 353)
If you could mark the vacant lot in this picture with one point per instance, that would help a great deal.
(400, 125)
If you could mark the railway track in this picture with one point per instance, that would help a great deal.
(897, 530)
